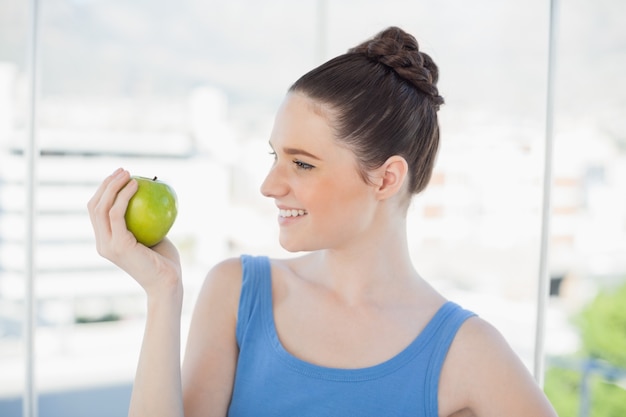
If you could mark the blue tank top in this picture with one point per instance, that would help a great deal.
(270, 382)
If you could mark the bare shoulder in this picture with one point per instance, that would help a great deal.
(230, 267)
(220, 291)
(483, 374)
(219, 294)
(479, 337)
(224, 278)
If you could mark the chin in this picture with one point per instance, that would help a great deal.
(291, 248)
(295, 246)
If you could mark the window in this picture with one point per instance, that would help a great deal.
(187, 91)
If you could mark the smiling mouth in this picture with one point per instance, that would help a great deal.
(292, 213)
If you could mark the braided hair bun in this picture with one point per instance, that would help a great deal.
(399, 51)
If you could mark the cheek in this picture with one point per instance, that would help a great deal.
(338, 195)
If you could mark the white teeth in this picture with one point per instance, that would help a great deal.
(292, 213)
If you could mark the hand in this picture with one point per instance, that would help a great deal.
(156, 269)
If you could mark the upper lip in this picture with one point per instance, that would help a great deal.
(281, 207)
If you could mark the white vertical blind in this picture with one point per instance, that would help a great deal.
(544, 267)
(29, 408)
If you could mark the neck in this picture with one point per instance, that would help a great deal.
(370, 268)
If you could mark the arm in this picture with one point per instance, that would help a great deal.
(157, 388)
(483, 377)
(211, 352)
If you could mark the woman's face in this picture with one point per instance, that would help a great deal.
(323, 201)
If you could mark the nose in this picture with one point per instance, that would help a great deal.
(274, 185)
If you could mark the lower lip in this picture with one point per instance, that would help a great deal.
(284, 221)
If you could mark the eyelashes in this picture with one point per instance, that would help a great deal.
(303, 165)
(298, 163)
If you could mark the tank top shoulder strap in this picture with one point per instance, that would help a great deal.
(256, 290)
(448, 322)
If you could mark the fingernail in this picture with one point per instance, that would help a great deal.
(117, 171)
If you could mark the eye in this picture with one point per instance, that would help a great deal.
(302, 165)
(273, 154)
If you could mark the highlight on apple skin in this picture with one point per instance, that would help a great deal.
(151, 211)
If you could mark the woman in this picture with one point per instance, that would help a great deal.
(349, 328)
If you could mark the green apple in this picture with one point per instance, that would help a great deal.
(151, 211)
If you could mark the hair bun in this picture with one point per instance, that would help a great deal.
(399, 51)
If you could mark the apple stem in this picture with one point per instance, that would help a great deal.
(154, 179)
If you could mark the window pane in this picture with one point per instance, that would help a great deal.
(187, 92)
(586, 372)
(13, 119)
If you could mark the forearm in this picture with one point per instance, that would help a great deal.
(157, 389)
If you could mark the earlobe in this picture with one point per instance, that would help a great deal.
(392, 175)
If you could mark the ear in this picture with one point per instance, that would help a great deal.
(390, 177)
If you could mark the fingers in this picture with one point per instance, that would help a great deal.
(95, 199)
(103, 201)
(118, 209)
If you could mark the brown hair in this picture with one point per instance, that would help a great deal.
(384, 100)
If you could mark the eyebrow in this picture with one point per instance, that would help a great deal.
(297, 151)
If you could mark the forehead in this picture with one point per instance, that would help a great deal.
(302, 120)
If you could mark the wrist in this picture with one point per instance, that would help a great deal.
(168, 293)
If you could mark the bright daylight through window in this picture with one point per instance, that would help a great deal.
(187, 91)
